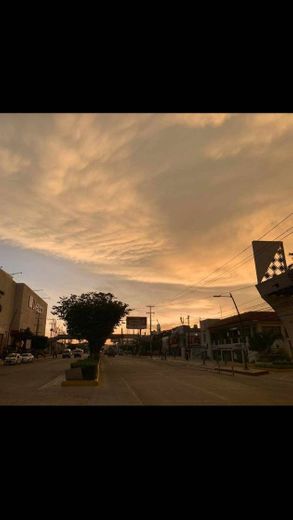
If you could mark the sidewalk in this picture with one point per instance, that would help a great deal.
(212, 366)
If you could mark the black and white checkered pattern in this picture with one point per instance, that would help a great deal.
(277, 266)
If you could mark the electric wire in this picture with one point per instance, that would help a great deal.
(242, 262)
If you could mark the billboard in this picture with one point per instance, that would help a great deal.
(136, 322)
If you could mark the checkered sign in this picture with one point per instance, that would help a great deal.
(277, 266)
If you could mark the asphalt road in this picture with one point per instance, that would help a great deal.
(140, 381)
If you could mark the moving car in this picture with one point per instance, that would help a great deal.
(67, 353)
(27, 357)
(77, 352)
(13, 359)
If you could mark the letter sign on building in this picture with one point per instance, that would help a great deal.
(34, 305)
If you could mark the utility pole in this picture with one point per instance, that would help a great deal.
(241, 332)
(242, 339)
(188, 337)
(151, 313)
(53, 326)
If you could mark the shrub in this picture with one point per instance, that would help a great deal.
(89, 367)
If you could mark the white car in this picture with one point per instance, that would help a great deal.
(13, 359)
(27, 357)
(67, 353)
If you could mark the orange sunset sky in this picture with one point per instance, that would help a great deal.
(146, 206)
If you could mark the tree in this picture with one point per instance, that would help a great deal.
(91, 316)
(40, 343)
(263, 341)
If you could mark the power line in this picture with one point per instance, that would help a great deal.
(248, 247)
(264, 308)
(245, 260)
(239, 264)
(242, 288)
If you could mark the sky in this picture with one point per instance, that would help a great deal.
(144, 206)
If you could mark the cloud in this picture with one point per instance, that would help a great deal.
(253, 134)
(146, 197)
(196, 120)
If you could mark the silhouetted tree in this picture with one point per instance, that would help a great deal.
(91, 316)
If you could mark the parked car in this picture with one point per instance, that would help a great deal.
(38, 354)
(13, 359)
(67, 353)
(27, 357)
(77, 352)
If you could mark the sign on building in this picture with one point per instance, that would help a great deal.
(34, 305)
(136, 322)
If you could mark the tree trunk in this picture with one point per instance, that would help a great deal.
(94, 348)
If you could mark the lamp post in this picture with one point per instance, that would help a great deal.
(122, 335)
(240, 321)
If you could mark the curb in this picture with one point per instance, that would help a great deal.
(84, 382)
(228, 370)
(242, 372)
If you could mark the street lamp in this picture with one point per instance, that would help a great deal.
(240, 321)
(122, 335)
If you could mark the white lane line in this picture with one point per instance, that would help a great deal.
(56, 381)
(131, 390)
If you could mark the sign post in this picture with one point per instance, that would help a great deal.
(136, 323)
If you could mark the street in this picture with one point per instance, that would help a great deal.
(127, 380)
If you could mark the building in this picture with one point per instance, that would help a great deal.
(275, 284)
(205, 334)
(20, 308)
(182, 340)
(222, 338)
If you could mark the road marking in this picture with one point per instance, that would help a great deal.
(131, 390)
(56, 381)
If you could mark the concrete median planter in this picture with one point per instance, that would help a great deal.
(82, 376)
(73, 374)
